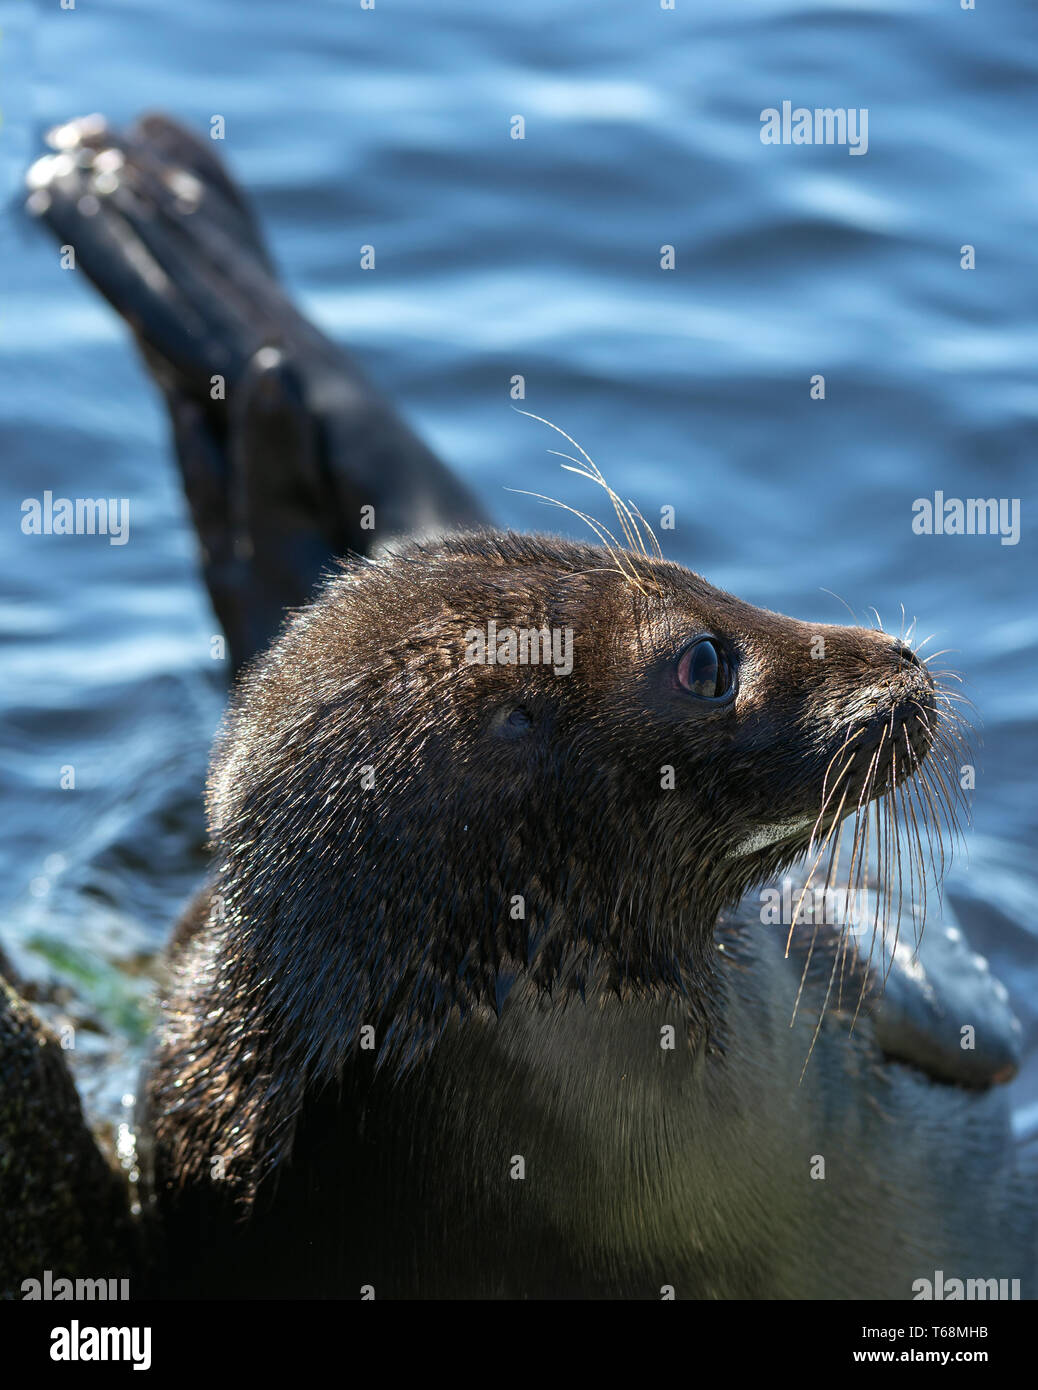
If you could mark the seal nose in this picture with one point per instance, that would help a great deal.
(903, 699)
(905, 655)
(901, 678)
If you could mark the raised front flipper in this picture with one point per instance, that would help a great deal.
(289, 456)
(936, 1007)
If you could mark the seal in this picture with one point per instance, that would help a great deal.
(472, 1008)
(488, 996)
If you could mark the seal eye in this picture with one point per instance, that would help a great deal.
(703, 670)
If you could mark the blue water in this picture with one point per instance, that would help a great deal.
(540, 257)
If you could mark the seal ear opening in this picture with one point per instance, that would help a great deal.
(511, 721)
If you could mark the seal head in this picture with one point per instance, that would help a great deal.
(404, 830)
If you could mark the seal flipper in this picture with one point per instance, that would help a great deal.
(179, 147)
(922, 1002)
(164, 233)
(945, 1013)
(283, 518)
(255, 502)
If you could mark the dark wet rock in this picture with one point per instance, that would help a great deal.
(62, 1207)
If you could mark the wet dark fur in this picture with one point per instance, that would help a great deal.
(335, 907)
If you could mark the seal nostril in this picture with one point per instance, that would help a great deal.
(906, 656)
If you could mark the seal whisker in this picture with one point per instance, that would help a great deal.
(839, 599)
(657, 549)
(833, 830)
(916, 856)
(905, 861)
(827, 792)
(603, 533)
(929, 830)
(895, 866)
(883, 822)
(818, 1023)
(625, 515)
(953, 798)
(852, 898)
(931, 819)
(628, 522)
(834, 858)
(932, 773)
(855, 876)
(569, 438)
